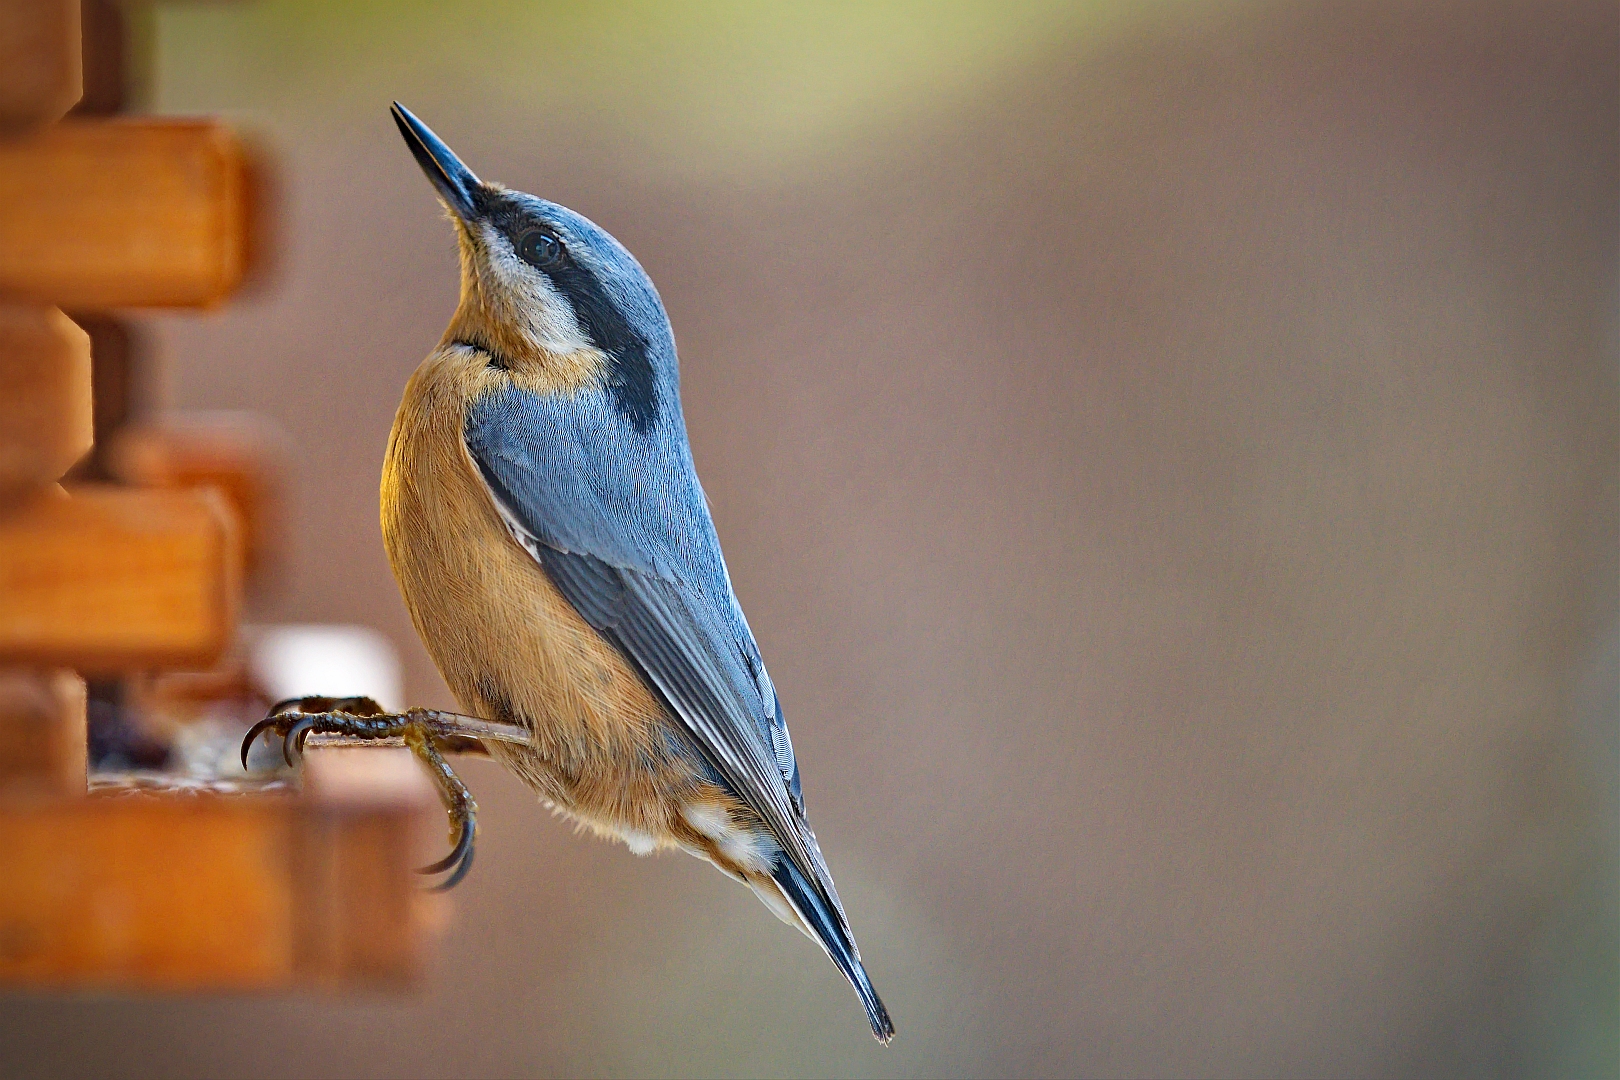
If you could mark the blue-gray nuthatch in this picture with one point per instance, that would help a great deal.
(548, 532)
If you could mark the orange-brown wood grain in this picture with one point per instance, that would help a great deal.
(114, 580)
(46, 417)
(152, 891)
(231, 452)
(176, 891)
(360, 838)
(98, 214)
(42, 732)
(40, 65)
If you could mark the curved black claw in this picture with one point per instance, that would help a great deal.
(277, 716)
(455, 879)
(362, 718)
(294, 739)
(460, 857)
(254, 732)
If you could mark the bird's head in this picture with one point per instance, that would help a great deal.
(546, 293)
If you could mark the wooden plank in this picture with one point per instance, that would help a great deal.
(115, 580)
(46, 416)
(99, 214)
(171, 891)
(358, 925)
(155, 892)
(104, 37)
(118, 355)
(235, 453)
(40, 75)
(42, 732)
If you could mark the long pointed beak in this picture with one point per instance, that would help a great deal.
(455, 182)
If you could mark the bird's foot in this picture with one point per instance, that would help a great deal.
(424, 732)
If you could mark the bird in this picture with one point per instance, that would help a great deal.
(545, 523)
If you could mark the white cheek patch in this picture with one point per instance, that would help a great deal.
(529, 300)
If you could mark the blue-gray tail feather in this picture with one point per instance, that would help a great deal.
(834, 935)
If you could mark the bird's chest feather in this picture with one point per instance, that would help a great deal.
(509, 645)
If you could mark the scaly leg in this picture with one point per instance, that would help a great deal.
(427, 732)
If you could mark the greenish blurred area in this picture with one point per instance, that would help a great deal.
(722, 86)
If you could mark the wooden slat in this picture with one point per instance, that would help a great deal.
(233, 452)
(42, 732)
(117, 357)
(363, 917)
(189, 892)
(39, 61)
(114, 580)
(104, 36)
(99, 214)
(46, 418)
(358, 925)
(159, 892)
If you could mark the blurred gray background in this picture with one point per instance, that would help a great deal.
(1167, 452)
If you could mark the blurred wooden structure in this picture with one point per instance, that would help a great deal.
(123, 213)
(111, 579)
(41, 74)
(46, 420)
(225, 452)
(158, 886)
(42, 732)
(184, 891)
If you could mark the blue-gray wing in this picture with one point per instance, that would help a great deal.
(619, 524)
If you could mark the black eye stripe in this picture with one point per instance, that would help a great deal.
(630, 375)
(630, 379)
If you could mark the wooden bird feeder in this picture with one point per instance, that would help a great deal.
(138, 882)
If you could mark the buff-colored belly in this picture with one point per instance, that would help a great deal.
(512, 648)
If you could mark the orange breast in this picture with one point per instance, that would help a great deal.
(509, 645)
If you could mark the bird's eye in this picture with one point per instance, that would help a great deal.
(540, 249)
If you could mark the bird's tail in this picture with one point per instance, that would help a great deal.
(832, 931)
